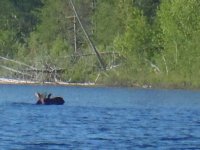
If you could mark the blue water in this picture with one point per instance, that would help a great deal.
(99, 118)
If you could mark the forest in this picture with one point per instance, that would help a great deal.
(109, 42)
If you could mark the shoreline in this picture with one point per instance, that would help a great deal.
(92, 84)
(61, 83)
(28, 82)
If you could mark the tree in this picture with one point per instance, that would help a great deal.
(106, 23)
(149, 8)
(51, 36)
(134, 41)
(27, 20)
(8, 28)
(180, 23)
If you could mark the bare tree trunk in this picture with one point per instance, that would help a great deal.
(166, 68)
(87, 37)
(176, 53)
(75, 39)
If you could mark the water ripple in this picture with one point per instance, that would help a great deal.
(128, 119)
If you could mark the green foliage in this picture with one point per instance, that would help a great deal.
(50, 37)
(157, 39)
(8, 24)
(149, 8)
(180, 23)
(16, 22)
(134, 43)
(106, 23)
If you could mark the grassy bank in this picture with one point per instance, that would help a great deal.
(149, 79)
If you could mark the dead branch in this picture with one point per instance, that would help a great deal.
(13, 70)
(17, 62)
(91, 54)
(61, 70)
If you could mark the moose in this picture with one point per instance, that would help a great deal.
(43, 100)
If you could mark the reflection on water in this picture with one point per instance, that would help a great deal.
(99, 118)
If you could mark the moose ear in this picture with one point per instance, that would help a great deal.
(49, 96)
(37, 95)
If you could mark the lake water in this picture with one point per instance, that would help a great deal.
(99, 118)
